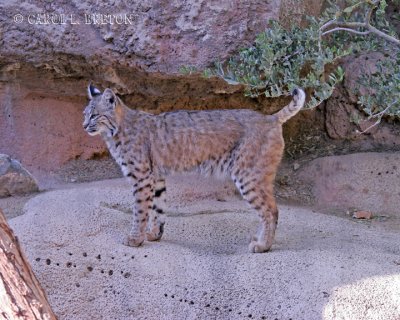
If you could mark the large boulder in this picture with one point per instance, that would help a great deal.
(364, 181)
(15, 179)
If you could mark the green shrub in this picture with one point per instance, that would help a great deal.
(309, 57)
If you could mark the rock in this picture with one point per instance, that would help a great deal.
(14, 179)
(153, 35)
(296, 166)
(344, 118)
(338, 114)
(48, 128)
(139, 58)
(355, 67)
(344, 121)
(362, 215)
(360, 180)
(201, 268)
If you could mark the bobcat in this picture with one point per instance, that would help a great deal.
(243, 144)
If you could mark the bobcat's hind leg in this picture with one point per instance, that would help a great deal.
(156, 222)
(259, 194)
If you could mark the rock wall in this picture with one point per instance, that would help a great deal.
(43, 131)
(50, 50)
(152, 35)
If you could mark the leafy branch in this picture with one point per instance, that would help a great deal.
(354, 27)
(309, 57)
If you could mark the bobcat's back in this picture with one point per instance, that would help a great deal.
(183, 140)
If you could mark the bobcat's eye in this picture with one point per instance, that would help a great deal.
(93, 116)
(111, 100)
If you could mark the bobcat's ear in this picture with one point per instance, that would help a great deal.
(92, 91)
(109, 97)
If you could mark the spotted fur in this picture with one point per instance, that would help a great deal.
(243, 144)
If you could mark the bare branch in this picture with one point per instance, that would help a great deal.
(351, 26)
(370, 127)
(348, 30)
(380, 114)
(327, 24)
(383, 35)
(343, 24)
(377, 115)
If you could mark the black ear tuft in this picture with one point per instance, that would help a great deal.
(93, 91)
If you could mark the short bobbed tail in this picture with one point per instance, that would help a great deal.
(293, 107)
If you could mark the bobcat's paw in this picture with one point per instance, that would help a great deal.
(132, 241)
(259, 247)
(156, 233)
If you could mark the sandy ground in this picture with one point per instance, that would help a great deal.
(321, 267)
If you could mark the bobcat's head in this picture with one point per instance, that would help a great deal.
(99, 114)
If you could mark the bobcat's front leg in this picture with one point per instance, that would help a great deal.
(143, 190)
(155, 227)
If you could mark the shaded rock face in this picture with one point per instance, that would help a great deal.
(155, 35)
(14, 179)
(41, 121)
(43, 131)
(45, 67)
(365, 181)
(344, 117)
